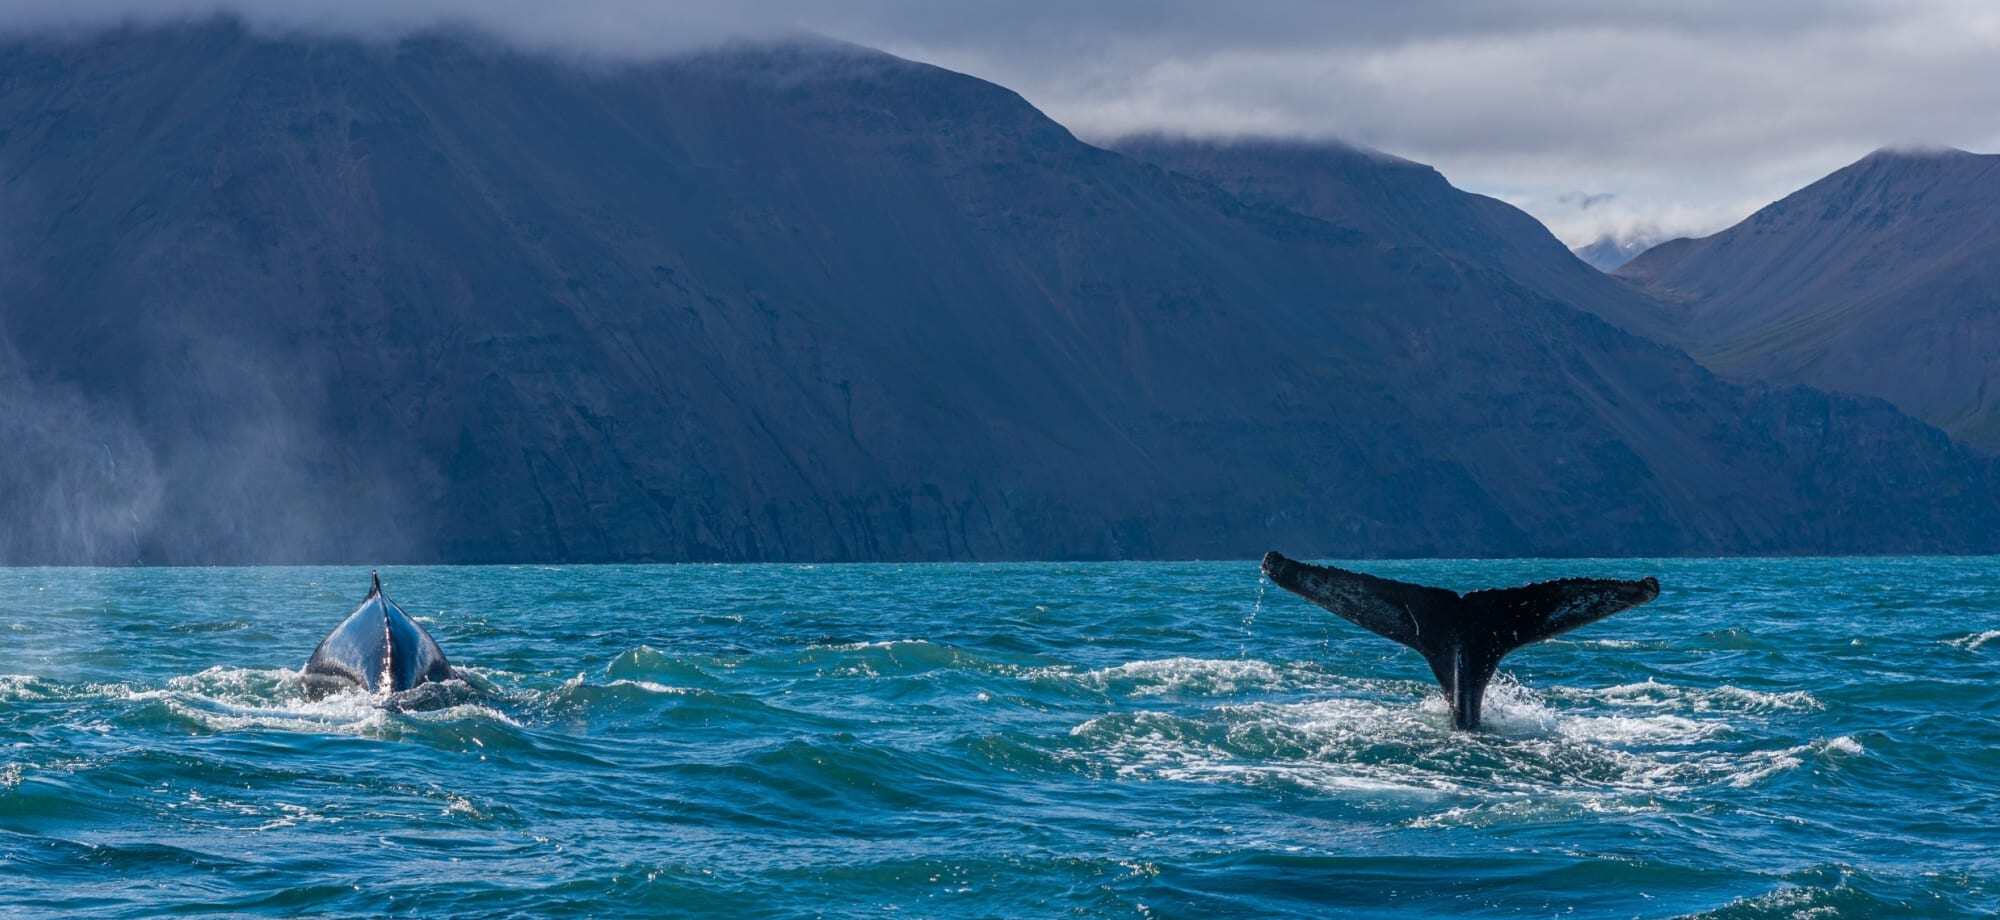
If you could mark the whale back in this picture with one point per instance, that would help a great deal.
(378, 648)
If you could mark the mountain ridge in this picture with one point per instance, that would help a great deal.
(1878, 279)
(307, 300)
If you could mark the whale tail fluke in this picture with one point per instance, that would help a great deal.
(1462, 636)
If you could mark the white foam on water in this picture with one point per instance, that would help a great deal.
(239, 684)
(1795, 902)
(1602, 643)
(1159, 746)
(225, 699)
(28, 688)
(1725, 698)
(1629, 730)
(651, 687)
(342, 713)
(1517, 807)
(1177, 676)
(273, 815)
(1972, 642)
(891, 657)
(1845, 745)
(462, 807)
(859, 646)
(1621, 749)
(1766, 764)
(290, 815)
(464, 712)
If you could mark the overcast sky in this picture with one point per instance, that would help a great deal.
(1675, 117)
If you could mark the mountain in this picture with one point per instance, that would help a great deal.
(295, 298)
(1389, 197)
(1882, 278)
(1608, 253)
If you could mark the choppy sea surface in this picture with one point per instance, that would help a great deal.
(1770, 739)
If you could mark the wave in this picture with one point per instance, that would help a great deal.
(648, 663)
(1821, 893)
(28, 688)
(1724, 698)
(651, 687)
(1611, 749)
(1971, 643)
(223, 699)
(890, 658)
(1161, 676)
(1183, 676)
(1768, 763)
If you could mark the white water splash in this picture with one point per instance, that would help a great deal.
(1250, 619)
(1725, 698)
(1972, 643)
(651, 687)
(1771, 763)
(224, 699)
(1178, 676)
(1617, 749)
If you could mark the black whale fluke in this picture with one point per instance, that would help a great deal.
(1463, 636)
(377, 648)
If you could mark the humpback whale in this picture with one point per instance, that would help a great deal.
(1463, 636)
(378, 648)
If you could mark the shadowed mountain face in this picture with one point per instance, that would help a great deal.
(276, 299)
(1392, 198)
(1883, 278)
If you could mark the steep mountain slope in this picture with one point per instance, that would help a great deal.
(1883, 278)
(1390, 197)
(308, 299)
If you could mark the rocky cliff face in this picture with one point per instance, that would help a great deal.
(1883, 278)
(297, 299)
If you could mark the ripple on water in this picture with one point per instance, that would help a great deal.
(1972, 643)
(1590, 749)
(1010, 740)
(1178, 676)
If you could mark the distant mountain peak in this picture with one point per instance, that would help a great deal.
(1877, 279)
(1923, 164)
(1264, 143)
(1610, 252)
(1917, 152)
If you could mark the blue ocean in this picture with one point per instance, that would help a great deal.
(1770, 739)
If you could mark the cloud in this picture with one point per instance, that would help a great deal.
(1692, 114)
(1584, 201)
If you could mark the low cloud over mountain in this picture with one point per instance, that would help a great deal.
(1694, 115)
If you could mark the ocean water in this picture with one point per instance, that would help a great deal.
(1770, 739)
